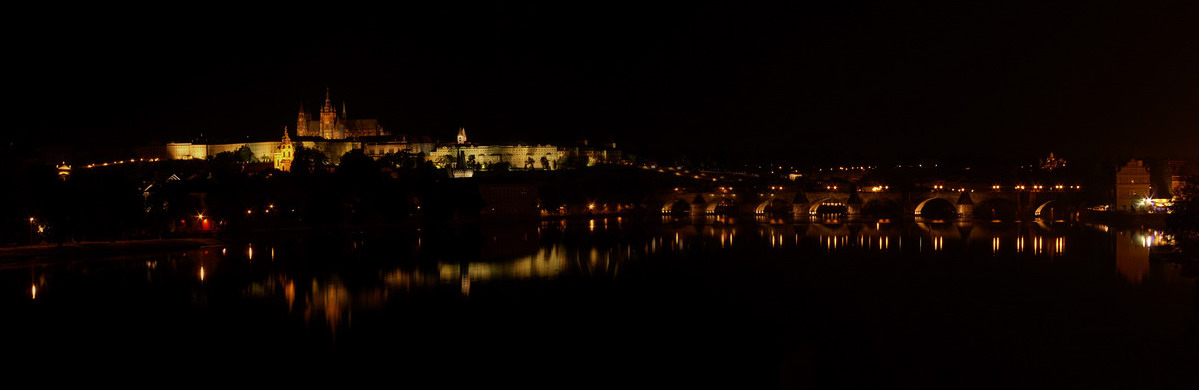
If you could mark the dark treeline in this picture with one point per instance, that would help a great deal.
(231, 193)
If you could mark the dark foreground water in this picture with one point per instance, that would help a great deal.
(612, 302)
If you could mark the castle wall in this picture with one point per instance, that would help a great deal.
(516, 155)
(264, 151)
(186, 151)
(379, 149)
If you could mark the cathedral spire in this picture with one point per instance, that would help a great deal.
(328, 127)
(302, 122)
(328, 107)
(461, 135)
(286, 139)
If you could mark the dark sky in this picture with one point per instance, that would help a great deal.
(843, 79)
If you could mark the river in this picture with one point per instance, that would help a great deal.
(672, 302)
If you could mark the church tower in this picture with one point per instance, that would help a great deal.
(461, 135)
(328, 118)
(302, 123)
(285, 154)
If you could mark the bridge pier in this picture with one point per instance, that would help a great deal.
(800, 210)
(965, 206)
(853, 206)
(699, 206)
(800, 207)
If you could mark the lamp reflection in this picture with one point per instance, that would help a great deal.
(1132, 255)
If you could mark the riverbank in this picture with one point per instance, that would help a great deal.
(89, 249)
(1123, 219)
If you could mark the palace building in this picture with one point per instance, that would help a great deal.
(334, 134)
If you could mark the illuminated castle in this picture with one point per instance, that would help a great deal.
(333, 135)
(331, 125)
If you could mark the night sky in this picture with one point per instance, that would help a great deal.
(839, 79)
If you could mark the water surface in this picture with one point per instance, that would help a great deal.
(758, 303)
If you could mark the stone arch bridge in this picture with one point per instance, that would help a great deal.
(1040, 204)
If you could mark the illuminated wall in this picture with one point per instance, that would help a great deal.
(517, 155)
(1132, 185)
(379, 149)
(264, 151)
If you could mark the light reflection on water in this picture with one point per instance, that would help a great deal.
(592, 248)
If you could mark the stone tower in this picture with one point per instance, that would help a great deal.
(328, 119)
(1133, 186)
(461, 135)
(302, 123)
(285, 154)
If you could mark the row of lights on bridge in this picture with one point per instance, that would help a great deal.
(935, 187)
(1040, 187)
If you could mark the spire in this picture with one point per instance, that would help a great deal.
(302, 109)
(285, 138)
(343, 110)
(461, 135)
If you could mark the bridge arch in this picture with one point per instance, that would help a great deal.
(920, 207)
(997, 208)
(720, 206)
(773, 205)
(1041, 209)
(677, 206)
(881, 207)
(814, 208)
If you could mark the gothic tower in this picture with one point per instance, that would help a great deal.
(461, 135)
(302, 123)
(328, 118)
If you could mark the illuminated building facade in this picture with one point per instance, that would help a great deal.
(285, 153)
(332, 126)
(400, 144)
(334, 135)
(1052, 163)
(1133, 186)
(464, 154)
(264, 151)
